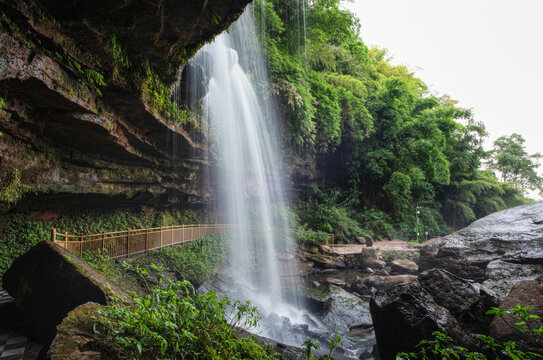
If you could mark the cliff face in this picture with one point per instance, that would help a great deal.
(86, 114)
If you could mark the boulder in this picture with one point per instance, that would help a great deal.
(376, 264)
(467, 301)
(405, 315)
(345, 310)
(359, 287)
(364, 257)
(325, 261)
(47, 282)
(404, 266)
(513, 235)
(74, 338)
(336, 282)
(385, 282)
(527, 294)
(500, 276)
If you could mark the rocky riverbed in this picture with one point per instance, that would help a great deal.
(330, 294)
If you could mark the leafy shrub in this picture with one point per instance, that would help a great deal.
(195, 261)
(326, 212)
(310, 344)
(312, 237)
(376, 221)
(175, 323)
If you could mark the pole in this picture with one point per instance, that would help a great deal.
(418, 233)
(53, 234)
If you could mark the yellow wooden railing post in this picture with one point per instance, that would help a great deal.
(128, 244)
(161, 232)
(146, 239)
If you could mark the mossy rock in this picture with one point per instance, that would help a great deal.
(47, 282)
(75, 339)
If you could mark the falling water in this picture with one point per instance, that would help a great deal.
(227, 84)
(231, 81)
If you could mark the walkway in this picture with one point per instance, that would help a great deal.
(12, 344)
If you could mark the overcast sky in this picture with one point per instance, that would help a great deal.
(486, 53)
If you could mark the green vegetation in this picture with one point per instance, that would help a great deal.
(195, 261)
(515, 165)
(311, 237)
(442, 346)
(159, 96)
(309, 345)
(12, 190)
(2, 103)
(374, 134)
(19, 232)
(176, 323)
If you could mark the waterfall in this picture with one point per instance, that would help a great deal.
(232, 91)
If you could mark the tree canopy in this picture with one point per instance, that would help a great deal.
(372, 131)
(515, 165)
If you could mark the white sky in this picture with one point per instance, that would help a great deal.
(486, 53)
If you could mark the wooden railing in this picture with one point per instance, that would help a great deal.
(134, 242)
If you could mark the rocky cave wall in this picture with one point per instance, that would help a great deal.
(86, 117)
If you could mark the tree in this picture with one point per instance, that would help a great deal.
(515, 165)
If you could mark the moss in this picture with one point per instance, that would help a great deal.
(158, 95)
(12, 190)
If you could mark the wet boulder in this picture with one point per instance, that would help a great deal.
(466, 300)
(514, 235)
(404, 266)
(385, 282)
(47, 282)
(528, 294)
(345, 310)
(375, 264)
(359, 287)
(501, 276)
(404, 315)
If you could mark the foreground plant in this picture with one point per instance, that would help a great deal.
(442, 346)
(176, 323)
(312, 344)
